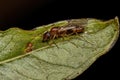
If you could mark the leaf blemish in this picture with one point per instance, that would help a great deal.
(29, 47)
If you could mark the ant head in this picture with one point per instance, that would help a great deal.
(47, 33)
(46, 36)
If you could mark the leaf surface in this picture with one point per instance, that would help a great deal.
(64, 60)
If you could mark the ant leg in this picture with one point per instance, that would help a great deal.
(74, 44)
(63, 38)
(50, 44)
(84, 39)
(72, 41)
(53, 42)
(80, 37)
(65, 35)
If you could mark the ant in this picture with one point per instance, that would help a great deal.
(56, 32)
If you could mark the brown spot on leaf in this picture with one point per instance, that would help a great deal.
(29, 47)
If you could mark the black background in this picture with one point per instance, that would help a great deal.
(28, 14)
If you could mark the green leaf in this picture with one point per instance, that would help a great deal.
(60, 59)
